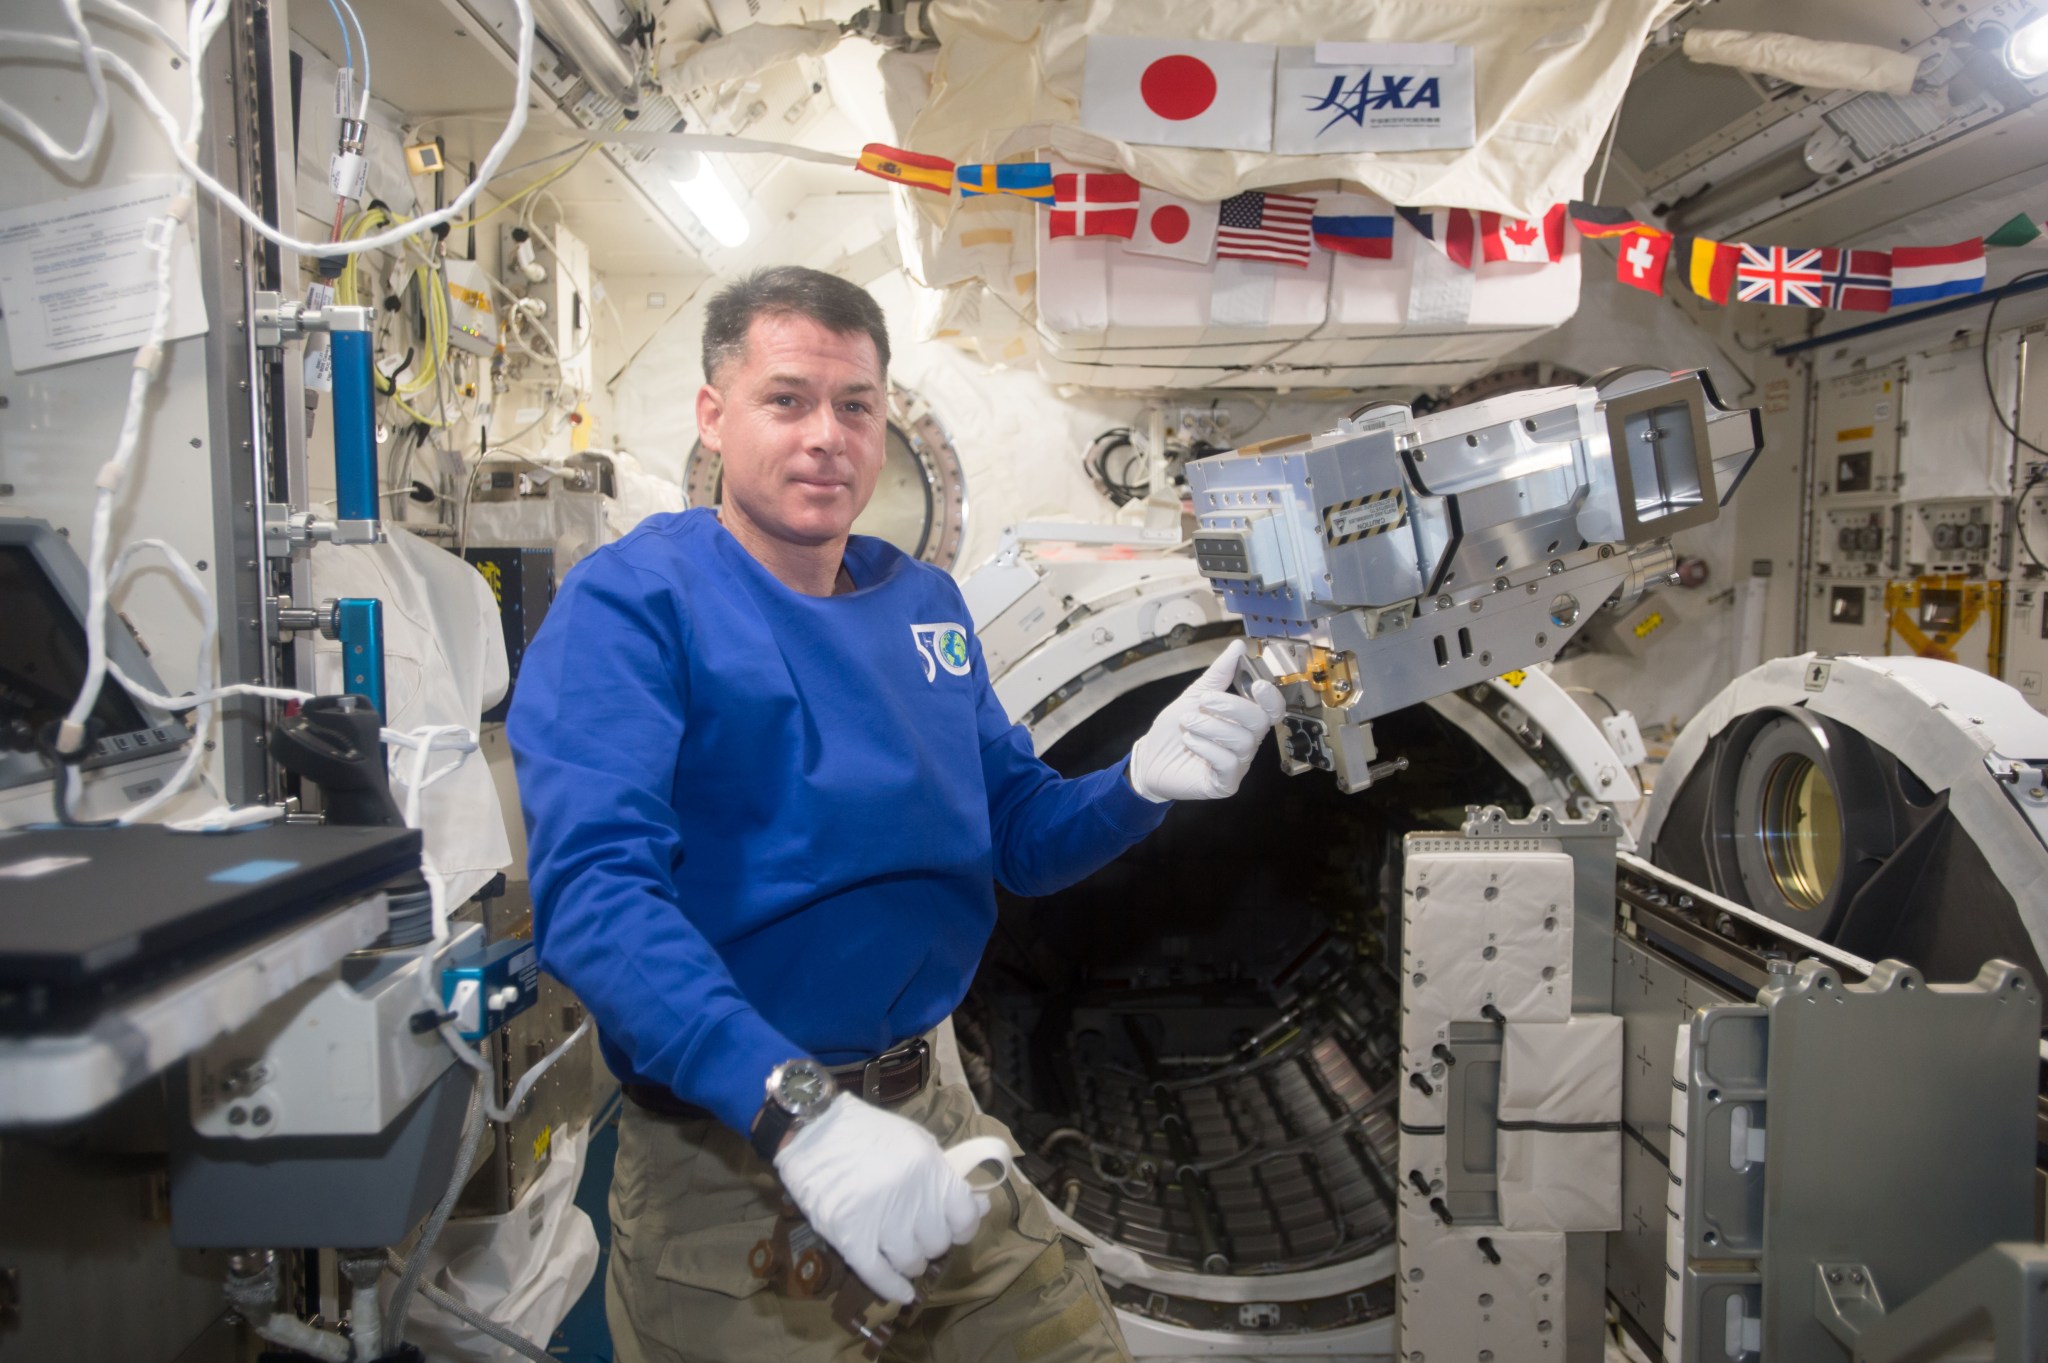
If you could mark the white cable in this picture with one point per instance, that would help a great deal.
(95, 121)
(471, 1057)
(205, 22)
(120, 13)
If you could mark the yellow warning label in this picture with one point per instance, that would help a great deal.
(1649, 624)
(541, 1143)
(1854, 433)
(470, 297)
(495, 576)
(1514, 678)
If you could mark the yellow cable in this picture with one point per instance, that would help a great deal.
(542, 183)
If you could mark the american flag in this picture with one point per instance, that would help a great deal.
(1258, 226)
(1789, 276)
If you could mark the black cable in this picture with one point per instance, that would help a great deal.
(2040, 471)
(1984, 358)
(1095, 463)
(63, 765)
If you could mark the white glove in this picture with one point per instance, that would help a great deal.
(878, 1188)
(1202, 743)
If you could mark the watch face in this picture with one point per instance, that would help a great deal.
(804, 1088)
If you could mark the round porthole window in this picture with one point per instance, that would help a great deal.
(1801, 831)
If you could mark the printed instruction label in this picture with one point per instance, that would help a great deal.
(78, 275)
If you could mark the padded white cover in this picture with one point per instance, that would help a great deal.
(1561, 1074)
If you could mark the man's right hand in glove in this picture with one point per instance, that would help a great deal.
(878, 1188)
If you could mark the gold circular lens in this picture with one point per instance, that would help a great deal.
(1802, 831)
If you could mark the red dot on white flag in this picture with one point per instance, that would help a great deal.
(1170, 223)
(1178, 87)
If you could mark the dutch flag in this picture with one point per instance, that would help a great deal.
(1921, 274)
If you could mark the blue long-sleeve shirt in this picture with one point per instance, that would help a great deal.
(762, 824)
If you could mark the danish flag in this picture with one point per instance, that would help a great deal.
(1789, 276)
(1094, 205)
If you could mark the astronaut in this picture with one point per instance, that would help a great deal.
(768, 789)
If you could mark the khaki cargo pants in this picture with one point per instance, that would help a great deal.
(690, 1198)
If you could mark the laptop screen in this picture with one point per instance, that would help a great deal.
(42, 653)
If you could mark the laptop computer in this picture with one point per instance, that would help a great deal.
(90, 916)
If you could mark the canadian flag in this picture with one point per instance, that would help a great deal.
(1179, 94)
(1094, 205)
(1518, 239)
(1177, 228)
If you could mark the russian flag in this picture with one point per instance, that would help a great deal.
(1921, 274)
(1338, 227)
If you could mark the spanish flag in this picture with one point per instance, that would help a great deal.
(1025, 179)
(907, 168)
(1709, 266)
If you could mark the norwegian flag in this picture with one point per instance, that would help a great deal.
(1258, 226)
(1858, 280)
(1087, 205)
(1788, 276)
(1518, 239)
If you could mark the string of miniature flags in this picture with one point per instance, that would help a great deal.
(1254, 225)
(1798, 276)
(1289, 228)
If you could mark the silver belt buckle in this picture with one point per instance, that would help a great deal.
(871, 1073)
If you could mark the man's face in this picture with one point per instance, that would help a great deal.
(798, 421)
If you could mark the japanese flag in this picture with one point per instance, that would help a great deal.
(1179, 94)
(1179, 229)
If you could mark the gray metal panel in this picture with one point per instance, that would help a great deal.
(1653, 997)
(326, 1191)
(1923, 1096)
(85, 1245)
(1635, 1253)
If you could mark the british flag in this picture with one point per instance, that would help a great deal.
(1789, 276)
(1858, 280)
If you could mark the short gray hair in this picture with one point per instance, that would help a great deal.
(787, 291)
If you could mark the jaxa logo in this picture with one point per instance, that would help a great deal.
(941, 645)
(1363, 97)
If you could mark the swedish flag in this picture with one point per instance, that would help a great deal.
(1025, 179)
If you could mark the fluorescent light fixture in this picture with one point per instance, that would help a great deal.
(705, 195)
(2027, 51)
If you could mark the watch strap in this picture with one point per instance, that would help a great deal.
(775, 1122)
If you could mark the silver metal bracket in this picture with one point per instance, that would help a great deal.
(280, 319)
(281, 617)
(1846, 1300)
(355, 532)
(286, 532)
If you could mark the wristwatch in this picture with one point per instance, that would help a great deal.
(798, 1092)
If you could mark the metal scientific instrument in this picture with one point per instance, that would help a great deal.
(1401, 557)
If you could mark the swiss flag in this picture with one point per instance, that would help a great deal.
(1094, 205)
(1518, 239)
(1641, 262)
(1177, 228)
(1179, 94)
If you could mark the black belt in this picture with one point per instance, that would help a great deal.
(895, 1076)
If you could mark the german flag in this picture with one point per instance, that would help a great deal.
(1610, 222)
(907, 168)
(1709, 266)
